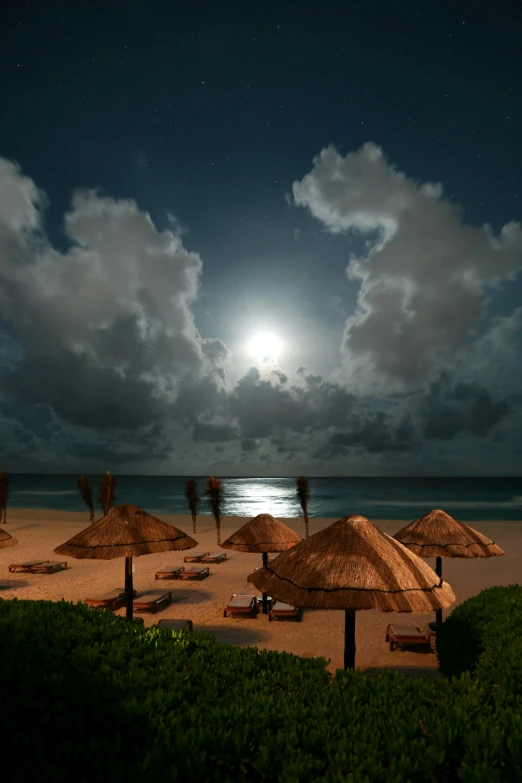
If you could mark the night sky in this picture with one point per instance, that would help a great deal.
(261, 238)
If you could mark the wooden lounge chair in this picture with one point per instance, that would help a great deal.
(280, 609)
(25, 566)
(175, 625)
(195, 557)
(398, 635)
(169, 572)
(49, 567)
(152, 600)
(241, 604)
(198, 572)
(214, 557)
(112, 600)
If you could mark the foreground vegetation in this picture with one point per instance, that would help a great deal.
(87, 696)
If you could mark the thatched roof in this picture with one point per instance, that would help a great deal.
(353, 565)
(438, 535)
(125, 531)
(6, 540)
(263, 533)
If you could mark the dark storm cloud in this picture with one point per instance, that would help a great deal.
(375, 434)
(249, 445)
(213, 433)
(263, 408)
(449, 410)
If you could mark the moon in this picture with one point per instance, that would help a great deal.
(265, 346)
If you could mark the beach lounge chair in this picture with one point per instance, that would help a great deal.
(112, 600)
(280, 609)
(49, 567)
(195, 557)
(241, 604)
(198, 572)
(152, 600)
(169, 572)
(398, 635)
(175, 625)
(214, 557)
(25, 566)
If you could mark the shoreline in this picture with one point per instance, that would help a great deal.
(319, 634)
(14, 514)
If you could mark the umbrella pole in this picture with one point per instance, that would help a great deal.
(349, 639)
(438, 571)
(129, 597)
(265, 602)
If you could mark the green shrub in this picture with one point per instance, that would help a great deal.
(490, 622)
(87, 696)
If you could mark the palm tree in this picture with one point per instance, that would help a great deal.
(4, 496)
(107, 495)
(303, 496)
(191, 493)
(214, 492)
(85, 492)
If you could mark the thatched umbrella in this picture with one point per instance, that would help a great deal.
(125, 531)
(6, 540)
(262, 534)
(438, 535)
(352, 565)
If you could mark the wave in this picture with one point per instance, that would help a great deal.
(514, 502)
(44, 492)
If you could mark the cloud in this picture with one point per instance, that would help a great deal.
(109, 339)
(447, 410)
(376, 433)
(424, 274)
(263, 408)
(101, 361)
(249, 445)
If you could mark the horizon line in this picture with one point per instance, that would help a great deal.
(224, 476)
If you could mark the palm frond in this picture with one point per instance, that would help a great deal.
(191, 493)
(107, 494)
(303, 493)
(85, 492)
(4, 494)
(214, 491)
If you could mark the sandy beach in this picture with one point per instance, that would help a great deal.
(321, 633)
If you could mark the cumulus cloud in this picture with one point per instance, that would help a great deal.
(424, 275)
(101, 361)
(107, 329)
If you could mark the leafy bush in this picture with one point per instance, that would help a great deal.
(487, 623)
(87, 696)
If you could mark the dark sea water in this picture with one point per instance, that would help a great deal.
(467, 499)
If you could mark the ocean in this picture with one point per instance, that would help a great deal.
(467, 499)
